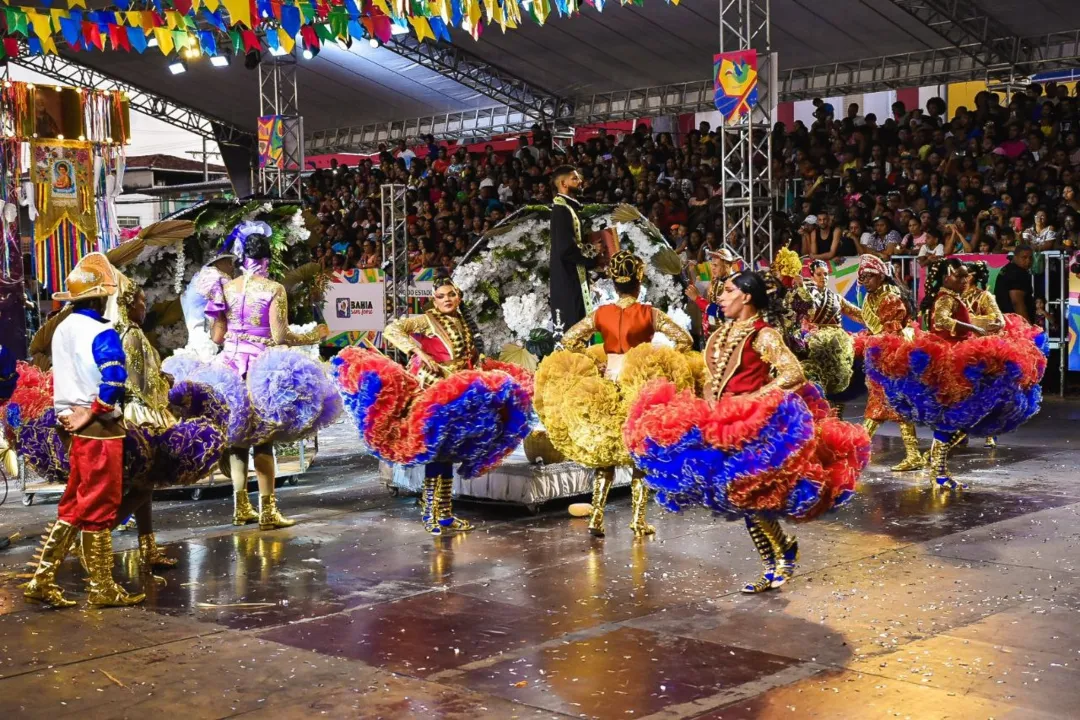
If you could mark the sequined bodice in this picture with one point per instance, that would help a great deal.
(248, 301)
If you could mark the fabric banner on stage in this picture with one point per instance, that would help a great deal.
(271, 141)
(735, 83)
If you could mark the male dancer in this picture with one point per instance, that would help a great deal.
(570, 257)
(88, 384)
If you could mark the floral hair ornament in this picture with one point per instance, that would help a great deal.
(237, 239)
(626, 267)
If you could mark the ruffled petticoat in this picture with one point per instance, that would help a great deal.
(472, 417)
(584, 410)
(981, 385)
(781, 453)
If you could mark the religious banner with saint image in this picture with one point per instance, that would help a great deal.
(66, 224)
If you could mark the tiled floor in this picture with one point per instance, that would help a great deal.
(909, 603)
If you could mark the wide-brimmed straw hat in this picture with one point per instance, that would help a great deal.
(92, 277)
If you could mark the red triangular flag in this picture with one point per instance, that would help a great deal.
(182, 6)
(251, 40)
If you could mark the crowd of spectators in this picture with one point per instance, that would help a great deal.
(992, 178)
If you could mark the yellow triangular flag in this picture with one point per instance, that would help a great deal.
(42, 24)
(239, 12)
(164, 40)
(174, 20)
(286, 40)
(56, 15)
(489, 7)
(422, 27)
(211, 5)
(134, 18)
(77, 3)
(474, 14)
(381, 4)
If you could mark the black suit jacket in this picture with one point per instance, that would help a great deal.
(566, 256)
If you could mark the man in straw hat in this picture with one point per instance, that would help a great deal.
(88, 384)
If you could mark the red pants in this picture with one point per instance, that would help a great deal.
(95, 486)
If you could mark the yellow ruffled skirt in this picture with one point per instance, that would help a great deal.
(584, 412)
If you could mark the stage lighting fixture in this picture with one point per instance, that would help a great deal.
(373, 43)
(177, 66)
(219, 61)
(307, 54)
(277, 52)
(252, 59)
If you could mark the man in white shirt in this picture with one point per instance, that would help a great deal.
(88, 384)
(404, 153)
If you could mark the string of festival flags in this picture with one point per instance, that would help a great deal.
(249, 25)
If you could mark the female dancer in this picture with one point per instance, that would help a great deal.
(250, 315)
(954, 378)
(563, 399)
(761, 446)
(885, 311)
(452, 406)
(830, 351)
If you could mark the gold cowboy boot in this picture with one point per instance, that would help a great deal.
(602, 481)
(98, 554)
(765, 549)
(151, 556)
(939, 461)
(785, 548)
(639, 501)
(871, 426)
(445, 501)
(913, 459)
(42, 587)
(429, 506)
(269, 515)
(243, 512)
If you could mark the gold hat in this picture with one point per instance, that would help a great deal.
(91, 278)
(626, 266)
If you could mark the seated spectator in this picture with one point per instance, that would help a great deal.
(884, 241)
(933, 249)
(1041, 235)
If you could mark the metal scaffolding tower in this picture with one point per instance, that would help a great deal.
(395, 241)
(278, 96)
(746, 145)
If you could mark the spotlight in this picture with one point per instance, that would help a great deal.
(152, 42)
(252, 59)
(308, 54)
(59, 137)
(277, 52)
(373, 43)
(219, 61)
(177, 67)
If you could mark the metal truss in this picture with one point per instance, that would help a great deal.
(278, 96)
(65, 71)
(746, 144)
(967, 27)
(469, 70)
(457, 127)
(927, 67)
(395, 239)
(645, 102)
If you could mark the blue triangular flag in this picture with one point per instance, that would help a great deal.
(209, 45)
(123, 5)
(272, 40)
(439, 28)
(34, 45)
(356, 30)
(215, 19)
(352, 9)
(137, 39)
(290, 19)
(456, 15)
(71, 29)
